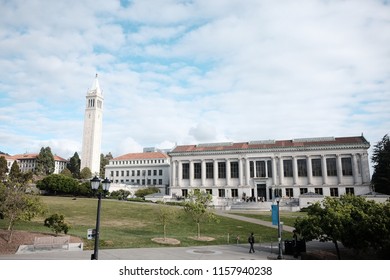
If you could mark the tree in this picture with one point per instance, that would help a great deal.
(166, 215)
(74, 165)
(198, 207)
(104, 160)
(57, 223)
(66, 172)
(45, 162)
(14, 173)
(3, 168)
(380, 181)
(58, 184)
(357, 223)
(17, 205)
(85, 173)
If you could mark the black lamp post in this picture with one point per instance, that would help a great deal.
(95, 183)
(277, 198)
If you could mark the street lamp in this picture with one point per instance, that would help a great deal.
(277, 194)
(95, 183)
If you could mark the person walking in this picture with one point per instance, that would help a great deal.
(251, 240)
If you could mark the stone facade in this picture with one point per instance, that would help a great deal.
(140, 170)
(253, 170)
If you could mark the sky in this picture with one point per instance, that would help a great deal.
(188, 72)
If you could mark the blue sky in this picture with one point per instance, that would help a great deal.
(190, 72)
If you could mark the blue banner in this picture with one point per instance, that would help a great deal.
(275, 214)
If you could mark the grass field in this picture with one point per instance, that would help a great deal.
(288, 218)
(131, 224)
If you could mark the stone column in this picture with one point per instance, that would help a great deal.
(203, 172)
(247, 171)
(240, 172)
(173, 173)
(309, 170)
(180, 173)
(323, 167)
(281, 171)
(273, 171)
(191, 173)
(339, 169)
(295, 170)
(355, 171)
(228, 172)
(215, 172)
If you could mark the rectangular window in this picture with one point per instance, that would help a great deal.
(350, 191)
(260, 169)
(138, 172)
(334, 192)
(149, 182)
(197, 170)
(316, 167)
(289, 192)
(185, 171)
(112, 173)
(154, 182)
(132, 172)
(160, 172)
(221, 192)
(155, 172)
(234, 169)
(117, 173)
(221, 170)
(234, 192)
(143, 181)
(184, 193)
(287, 168)
(269, 169)
(302, 168)
(209, 191)
(303, 190)
(331, 168)
(127, 173)
(149, 172)
(318, 191)
(346, 165)
(209, 170)
(160, 181)
(251, 169)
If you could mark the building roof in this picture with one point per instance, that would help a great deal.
(274, 144)
(137, 156)
(31, 156)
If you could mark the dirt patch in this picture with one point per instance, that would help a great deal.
(23, 238)
(167, 241)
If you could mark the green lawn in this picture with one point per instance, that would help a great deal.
(131, 224)
(288, 218)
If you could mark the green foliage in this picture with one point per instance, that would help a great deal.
(57, 223)
(45, 162)
(58, 184)
(3, 168)
(66, 172)
(85, 173)
(120, 194)
(74, 165)
(166, 216)
(14, 173)
(104, 160)
(17, 205)
(380, 181)
(144, 192)
(357, 223)
(198, 208)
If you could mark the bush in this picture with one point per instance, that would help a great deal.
(57, 223)
(147, 191)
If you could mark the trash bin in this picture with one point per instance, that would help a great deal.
(288, 247)
(301, 244)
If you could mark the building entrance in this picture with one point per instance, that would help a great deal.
(262, 192)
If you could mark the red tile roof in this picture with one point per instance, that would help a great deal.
(269, 144)
(137, 156)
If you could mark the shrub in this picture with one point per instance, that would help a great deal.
(57, 223)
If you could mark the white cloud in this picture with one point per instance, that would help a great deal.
(192, 71)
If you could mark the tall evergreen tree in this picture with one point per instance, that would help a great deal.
(3, 168)
(104, 160)
(15, 172)
(380, 181)
(74, 165)
(45, 162)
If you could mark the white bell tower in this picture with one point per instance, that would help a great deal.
(92, 133)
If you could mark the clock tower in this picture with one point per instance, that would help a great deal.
(92, 133)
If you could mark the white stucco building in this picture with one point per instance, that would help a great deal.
(253, 170)
(140, 170)
(27, 162)
(92, 133)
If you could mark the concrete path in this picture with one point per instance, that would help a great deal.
(252, 220)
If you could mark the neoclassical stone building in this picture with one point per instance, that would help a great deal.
(253, 170)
